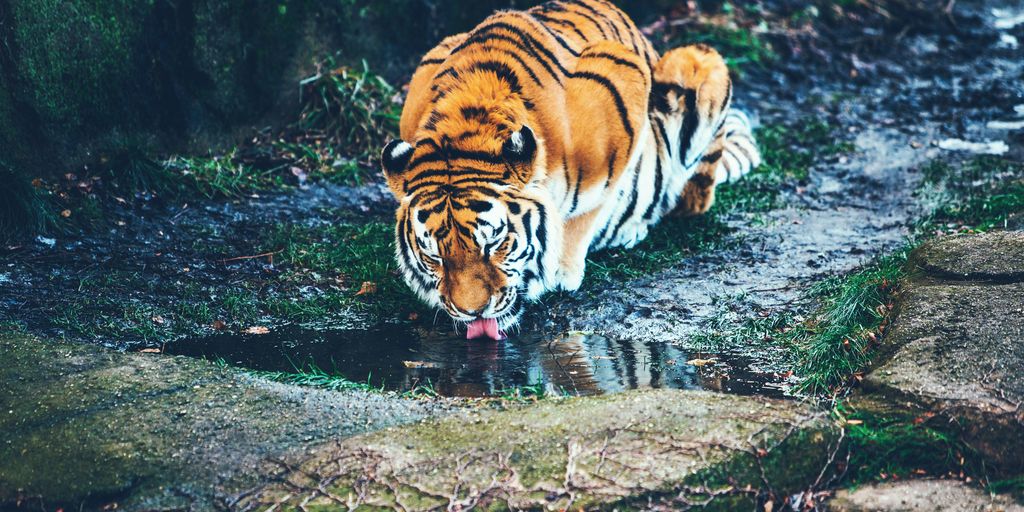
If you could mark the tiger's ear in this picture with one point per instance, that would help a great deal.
(521, 147)
(395, 157)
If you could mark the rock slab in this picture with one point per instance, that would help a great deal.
(923, 496)
(655, 449)
(956, 346)
(82, 426)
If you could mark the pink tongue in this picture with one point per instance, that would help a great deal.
(484, 327)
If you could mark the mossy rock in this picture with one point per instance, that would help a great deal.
(83, 426)
(621, 451)
(953, 353)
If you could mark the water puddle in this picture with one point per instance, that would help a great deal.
(400, 358)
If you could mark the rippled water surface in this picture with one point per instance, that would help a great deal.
(400, 358)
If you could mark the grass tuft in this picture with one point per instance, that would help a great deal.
(356, 262)
(839, 339)
(23, 207)
(354, 107)
(312, 376)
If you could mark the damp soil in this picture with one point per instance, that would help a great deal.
(893, 94)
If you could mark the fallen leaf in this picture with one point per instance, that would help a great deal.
(65, 213)
(158, 319)
(420, 364)
(257, 329)
(150, 351)
(414, 316)
(923, 418)
(368, 288)
(37, 183)
(700, 362)
(218, 325)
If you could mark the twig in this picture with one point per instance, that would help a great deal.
(254, 256)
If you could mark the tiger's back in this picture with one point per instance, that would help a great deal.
(537, 51)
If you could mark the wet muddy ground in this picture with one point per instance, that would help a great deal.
(192, 278)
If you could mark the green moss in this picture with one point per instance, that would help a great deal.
(70, 54)
(887, 443)
(740, 47)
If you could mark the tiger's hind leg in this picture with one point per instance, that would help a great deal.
(692, 94)
(730, 156)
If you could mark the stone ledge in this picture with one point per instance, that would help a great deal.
(955, 348)
(995, 256)
(632, 449)
(921, 495)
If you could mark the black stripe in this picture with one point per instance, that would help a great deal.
(526, 225)
(444, 72)
(565, 23)
(616, 59)
(565, 173)
(405, 230)
(658, 178)
(743, 151)
(664, 135)
(555, 35)
(448, 154)
(526, 41)
(632, 200)
(586, 16)
(576, 191)
(427, 62)
(435, 117)
(470, 113)
(542, 234)
(501, 70)
(515, 56)
(625, 23)
(611, 168)
(596, 241)
(600, 16)
(728, 97)
(619, 103)
(690, 120)
(421, 180)
(712, 157)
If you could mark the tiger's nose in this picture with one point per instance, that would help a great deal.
(471, 296)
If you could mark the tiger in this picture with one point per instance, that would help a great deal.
(542, 135)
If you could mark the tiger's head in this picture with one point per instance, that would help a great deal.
(475, 233)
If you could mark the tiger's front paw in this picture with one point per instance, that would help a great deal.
(570, 275)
